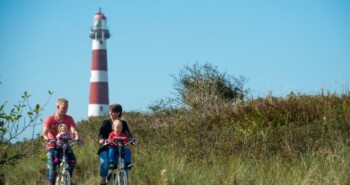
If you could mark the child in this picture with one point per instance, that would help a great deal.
(62, 142)
(117, 128)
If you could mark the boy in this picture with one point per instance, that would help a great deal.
(117, 133)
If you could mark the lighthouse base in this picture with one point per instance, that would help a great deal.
(96, 110)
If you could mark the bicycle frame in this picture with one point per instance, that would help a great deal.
(62, 170)
(118, 176)
(63, 176)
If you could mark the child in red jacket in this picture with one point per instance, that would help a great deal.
(117, 133)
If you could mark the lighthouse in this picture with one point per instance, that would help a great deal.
(99, 100)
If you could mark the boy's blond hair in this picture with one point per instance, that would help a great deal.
(62, 126)
(116, 123)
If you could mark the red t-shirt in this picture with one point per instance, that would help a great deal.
(112, 135)
(52, 123)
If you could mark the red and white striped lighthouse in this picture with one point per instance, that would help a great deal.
(99, 100)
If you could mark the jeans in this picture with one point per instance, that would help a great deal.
(104, 161)
(51, 166)
(112, 155)
(69, 155)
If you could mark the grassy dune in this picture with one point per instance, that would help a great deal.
(298, 139)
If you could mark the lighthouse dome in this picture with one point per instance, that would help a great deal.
(99, 16)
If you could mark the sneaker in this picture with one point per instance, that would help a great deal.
(128, 166)
(56, 161)
(111, 166)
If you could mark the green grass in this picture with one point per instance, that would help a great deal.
(170, 168)
(300, 139)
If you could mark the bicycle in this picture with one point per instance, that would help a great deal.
(118, 175)
(62, 170)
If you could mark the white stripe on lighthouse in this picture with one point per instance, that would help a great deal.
(98, 76)
(96, 44)
(98, 109)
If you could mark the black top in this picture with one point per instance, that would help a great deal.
(106, 128)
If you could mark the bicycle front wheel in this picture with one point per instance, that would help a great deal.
(122, 178)
(67, 179)
(63, 179)
(111, 178)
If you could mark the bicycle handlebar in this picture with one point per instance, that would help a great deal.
(119, 140)
(70, 141)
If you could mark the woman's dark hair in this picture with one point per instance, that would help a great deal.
(116, 108)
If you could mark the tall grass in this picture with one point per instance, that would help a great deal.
(171, 168)
(298, 139)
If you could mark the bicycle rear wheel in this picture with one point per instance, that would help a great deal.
(122, 178)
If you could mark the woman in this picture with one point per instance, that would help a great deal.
(115, 112)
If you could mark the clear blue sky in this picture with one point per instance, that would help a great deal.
(280, 46)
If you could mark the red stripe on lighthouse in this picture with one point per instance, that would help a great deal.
(99, 93)
(99, 60)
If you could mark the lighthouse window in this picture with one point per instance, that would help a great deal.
(98, 23)
(101, 108)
